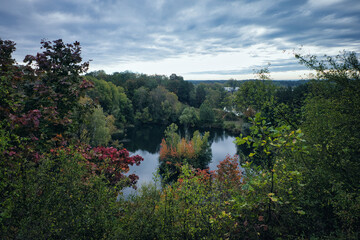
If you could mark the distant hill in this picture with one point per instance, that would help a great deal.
(283, 83)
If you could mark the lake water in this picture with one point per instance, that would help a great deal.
(145, 141)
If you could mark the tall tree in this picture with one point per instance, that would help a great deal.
(207, 115)
(332, 127)
(200, 95)
(54, 84)
(112, 99)
(189, 116)
(164, 106)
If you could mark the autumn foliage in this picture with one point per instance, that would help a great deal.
(53, 185)
(176, 151)
(183, 150)
(228, 172)
(106, 161)
(113, 163)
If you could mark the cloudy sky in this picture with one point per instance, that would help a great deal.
(198, 39)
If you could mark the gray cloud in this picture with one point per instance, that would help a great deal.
(150, 30)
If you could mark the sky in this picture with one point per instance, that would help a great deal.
(197, 39)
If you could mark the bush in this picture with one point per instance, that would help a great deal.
(60, 199)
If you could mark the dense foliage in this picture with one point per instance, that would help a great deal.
(53, 186)
(158, 99)
(176, 151)
(297, 176)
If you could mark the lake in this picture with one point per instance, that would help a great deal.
(145, 141)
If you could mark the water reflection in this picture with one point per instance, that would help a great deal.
(221, 147)
(146, 140)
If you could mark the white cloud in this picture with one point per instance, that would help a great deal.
(323, 3)
(332, 19)
(255, 31)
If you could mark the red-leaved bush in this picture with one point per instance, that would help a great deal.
(111, 162)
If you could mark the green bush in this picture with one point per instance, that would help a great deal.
(59, 199)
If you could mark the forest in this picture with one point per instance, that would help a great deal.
(63, 170)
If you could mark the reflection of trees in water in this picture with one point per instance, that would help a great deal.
(216, 135)
(145, 138)
(148, 137)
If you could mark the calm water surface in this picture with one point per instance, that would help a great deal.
(145, 141)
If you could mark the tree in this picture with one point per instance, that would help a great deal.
(51, 188)
(61, 200)
(207, 115)
(332, 127)
(213, 98)
(112, 99)
(271, 175)
(189, 117)
(200, 95)
(9, 78)
(290, 102)
(181, 88)
(257, 94)
(141, 98)
(10, 168)
(54, 87)
(164, 106)
(98, 129)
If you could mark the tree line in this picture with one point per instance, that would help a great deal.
(133, 99)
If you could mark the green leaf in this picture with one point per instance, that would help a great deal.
(301, 212)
